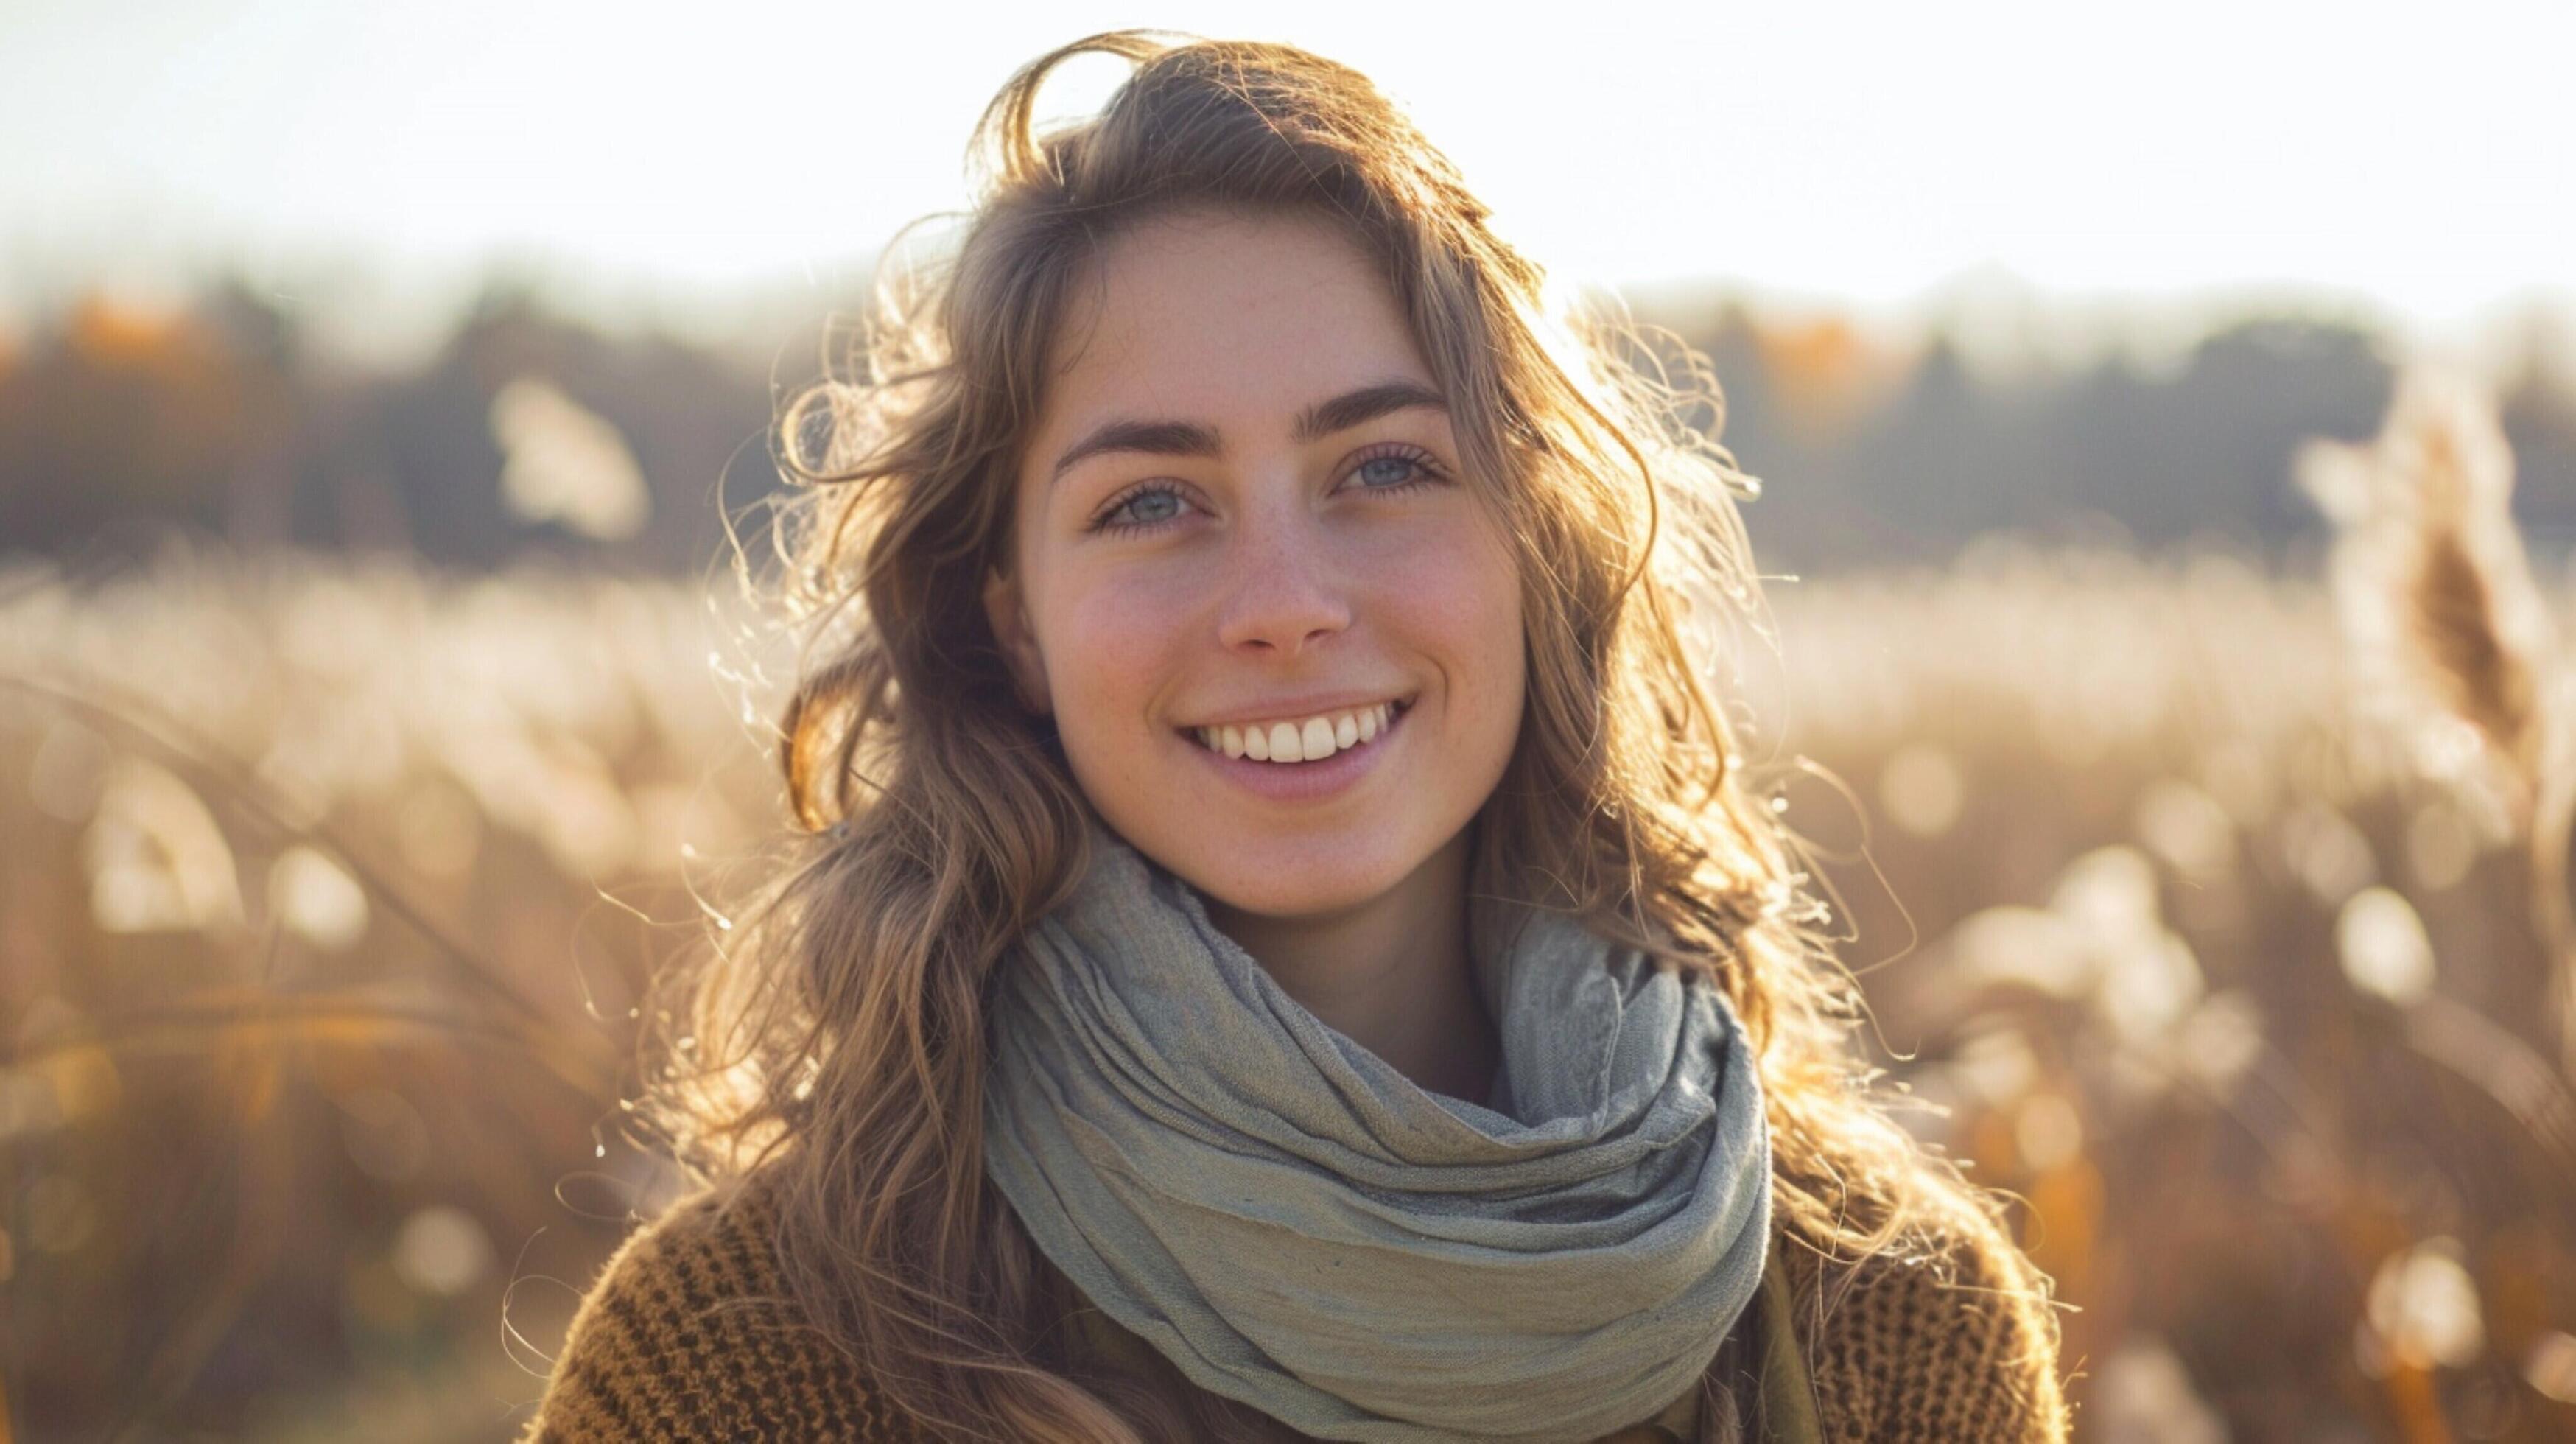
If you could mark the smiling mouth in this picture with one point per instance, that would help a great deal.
(1301, 739)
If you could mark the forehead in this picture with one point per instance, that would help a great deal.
(1206, 315)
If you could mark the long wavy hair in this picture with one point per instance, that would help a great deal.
(834, 1038)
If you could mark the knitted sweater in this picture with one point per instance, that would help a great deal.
(674, 1342)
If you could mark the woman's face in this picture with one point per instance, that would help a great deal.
(1280, 637)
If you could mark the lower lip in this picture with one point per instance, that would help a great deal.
(1303, 781)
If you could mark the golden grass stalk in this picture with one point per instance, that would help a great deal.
(2446, 627)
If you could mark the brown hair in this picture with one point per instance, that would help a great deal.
(836, 1035)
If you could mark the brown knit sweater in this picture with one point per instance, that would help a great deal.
(675, 1342)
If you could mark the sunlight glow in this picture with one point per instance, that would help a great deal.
(1864, 153)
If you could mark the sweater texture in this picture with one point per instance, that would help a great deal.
(686, 1336)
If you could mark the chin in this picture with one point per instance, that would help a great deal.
(1307, 877)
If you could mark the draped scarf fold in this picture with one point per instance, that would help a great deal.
(1298, 1226)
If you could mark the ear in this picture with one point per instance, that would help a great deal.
(1007, 611)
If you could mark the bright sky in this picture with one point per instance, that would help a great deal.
(2419, 157)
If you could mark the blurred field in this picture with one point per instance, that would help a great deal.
(326, 889)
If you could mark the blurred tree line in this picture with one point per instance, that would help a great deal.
(117, 426)
(530, 431)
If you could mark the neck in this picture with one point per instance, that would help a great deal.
(1393, 974)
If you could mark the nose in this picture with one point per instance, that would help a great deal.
(1284, 595)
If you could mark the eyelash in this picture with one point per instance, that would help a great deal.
(1423, 463)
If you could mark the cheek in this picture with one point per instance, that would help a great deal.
(1461, 603)
(1110, 646)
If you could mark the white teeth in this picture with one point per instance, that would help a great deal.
(1309, 739)
(1317, 738)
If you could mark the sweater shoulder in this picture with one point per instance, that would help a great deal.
(688, 1333)
(1948, 1335)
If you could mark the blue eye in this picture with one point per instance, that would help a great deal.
(1380, 471)
(1395, 471)
(1146, 507)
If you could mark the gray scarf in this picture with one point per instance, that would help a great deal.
(1298, 1226)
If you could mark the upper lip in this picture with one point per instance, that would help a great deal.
(1288, 708)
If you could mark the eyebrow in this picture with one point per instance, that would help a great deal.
(1190, 438)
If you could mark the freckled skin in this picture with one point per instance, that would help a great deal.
(1282, 568)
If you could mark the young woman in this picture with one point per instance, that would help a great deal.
(1281, 948)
